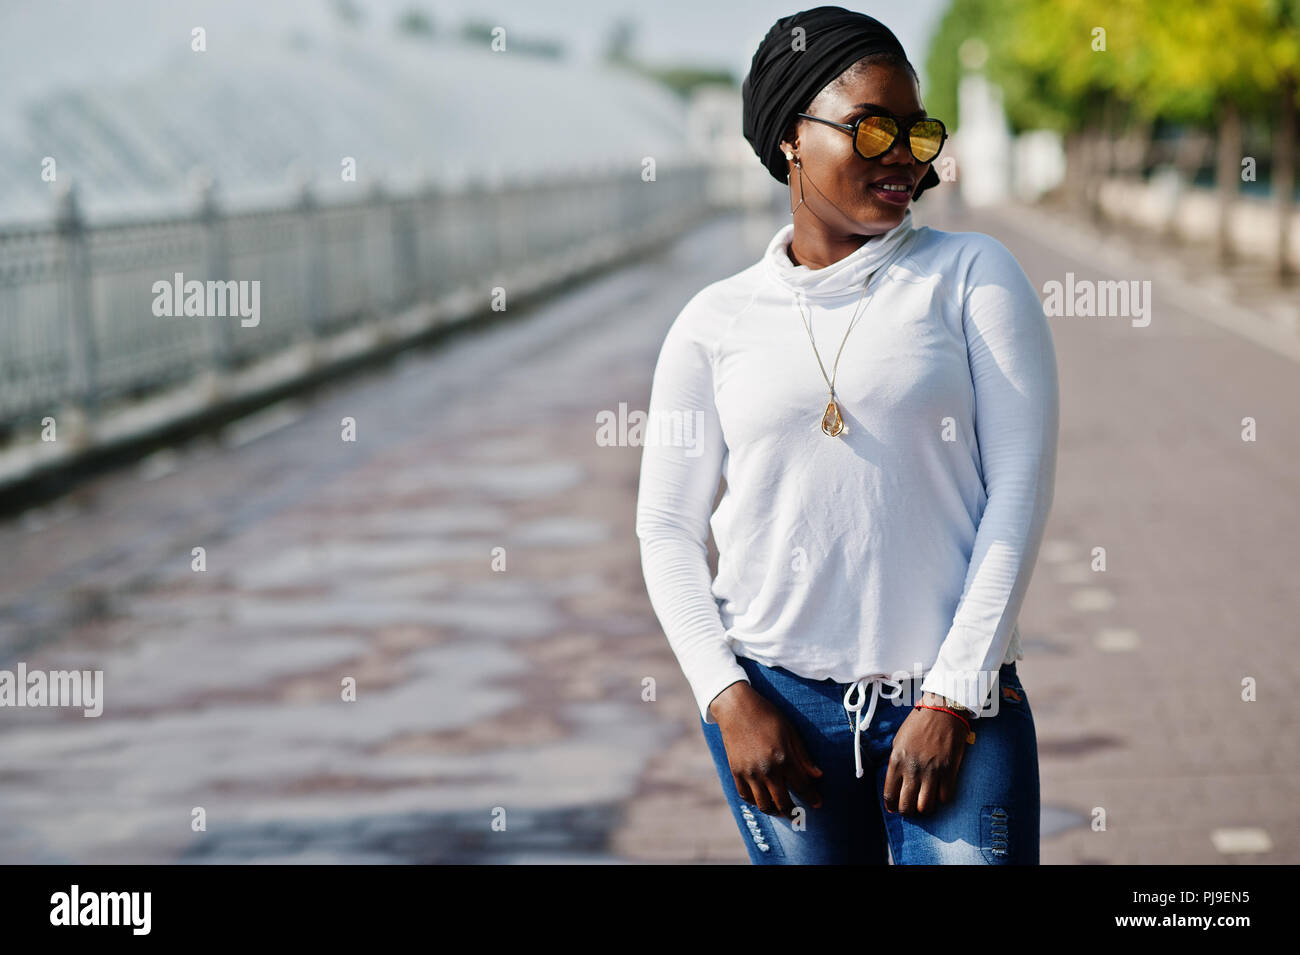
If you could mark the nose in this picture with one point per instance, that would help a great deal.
(899, 154)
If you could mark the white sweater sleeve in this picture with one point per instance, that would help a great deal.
(681, 464)
(1013, 369)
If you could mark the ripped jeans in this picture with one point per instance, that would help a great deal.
(992, 819)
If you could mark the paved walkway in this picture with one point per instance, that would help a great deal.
(1136, 673)
(515, 693)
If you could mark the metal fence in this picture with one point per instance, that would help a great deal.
(77, 321)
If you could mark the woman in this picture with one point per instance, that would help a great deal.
(881, 400)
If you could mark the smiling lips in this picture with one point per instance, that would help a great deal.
(893, 189)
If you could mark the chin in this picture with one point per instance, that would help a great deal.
(882, 219)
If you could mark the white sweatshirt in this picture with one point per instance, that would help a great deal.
(905, 545)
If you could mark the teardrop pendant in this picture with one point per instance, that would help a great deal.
(832, 423)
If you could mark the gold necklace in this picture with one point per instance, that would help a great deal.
(832, 420)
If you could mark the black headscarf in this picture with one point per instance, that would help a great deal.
(782, 81)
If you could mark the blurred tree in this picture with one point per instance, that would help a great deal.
(347, 11)
(680, 79)
(1071, 65)
(1044, 57)
(1283, 52)
(1105, 72)
(620, 40)
(480, 32)
(415, 22)
(1211, 67)
(683, 79)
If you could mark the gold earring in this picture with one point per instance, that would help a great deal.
(798, 165)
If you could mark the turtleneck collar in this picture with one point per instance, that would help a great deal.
(848, 274)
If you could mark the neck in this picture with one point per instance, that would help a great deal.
(820, 249)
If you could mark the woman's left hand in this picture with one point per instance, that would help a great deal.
(923, 765)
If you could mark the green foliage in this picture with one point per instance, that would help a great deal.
(682, 79)
(415, 22)
(479, 32)
(963, 20)
(620, 39)
(1059, 61)
(347, 11)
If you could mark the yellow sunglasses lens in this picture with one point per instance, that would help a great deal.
(926, 137)
(875, 133)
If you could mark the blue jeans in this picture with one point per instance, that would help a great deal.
(992, 819)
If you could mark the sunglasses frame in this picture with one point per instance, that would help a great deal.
(901, 127)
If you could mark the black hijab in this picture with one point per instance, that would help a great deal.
(782, 80)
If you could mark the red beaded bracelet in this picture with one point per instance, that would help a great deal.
(970, 733)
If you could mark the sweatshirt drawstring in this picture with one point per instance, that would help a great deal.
(862, 720)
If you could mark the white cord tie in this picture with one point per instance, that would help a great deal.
(862, 720)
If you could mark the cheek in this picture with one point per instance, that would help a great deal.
(834, 156)
(845, 172)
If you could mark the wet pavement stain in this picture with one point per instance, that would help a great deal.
(370, 562)
(574, 834)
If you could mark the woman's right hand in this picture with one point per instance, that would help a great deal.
(767, 757)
